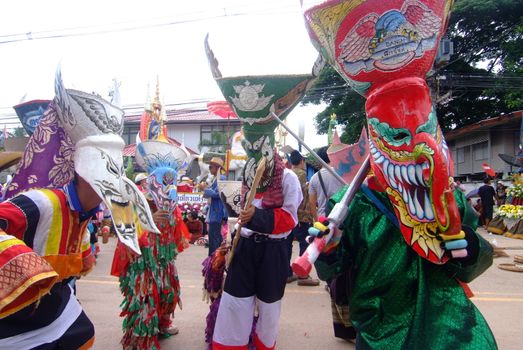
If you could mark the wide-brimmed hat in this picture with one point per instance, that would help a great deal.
(216, 161)
(8, 159)
(139, 177)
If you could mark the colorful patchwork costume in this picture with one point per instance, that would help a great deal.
(407, 245)
(149, 282)
(258, 272)
(44, 242)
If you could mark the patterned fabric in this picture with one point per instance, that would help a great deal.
(304, 212)
(50, 142)
(24, 276)
(44, 220)
(273, 195)
(150, 284)
(413, 303)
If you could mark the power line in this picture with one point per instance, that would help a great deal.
(115, 27)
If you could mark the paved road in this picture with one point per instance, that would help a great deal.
(305, 321)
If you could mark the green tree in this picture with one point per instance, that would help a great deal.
(218, 142)
(486, 33)
(348, 106)
(19, 131)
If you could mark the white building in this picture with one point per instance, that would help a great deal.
(482, 142)
(192, 127)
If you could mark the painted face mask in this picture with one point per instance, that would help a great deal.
(411, 160)
(94, 126)
(253, 99)
(383, 49)
(162, 161)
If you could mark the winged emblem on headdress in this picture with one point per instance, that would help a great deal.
(389, 41)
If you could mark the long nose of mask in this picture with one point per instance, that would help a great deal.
(98, 159)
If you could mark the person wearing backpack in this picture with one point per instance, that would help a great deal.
(305, 219)
(322, 186)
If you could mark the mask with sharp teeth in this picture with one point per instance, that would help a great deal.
(162, 161)
(94, 126)
(410, 160)
(384, 49)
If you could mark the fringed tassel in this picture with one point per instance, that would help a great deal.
(151, 289)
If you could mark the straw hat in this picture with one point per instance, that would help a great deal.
(139, 177)
(8, 159)
(216, 161)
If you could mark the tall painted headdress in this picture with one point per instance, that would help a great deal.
(162, 161)
(384, 49)
(80, 133)
(253, 99)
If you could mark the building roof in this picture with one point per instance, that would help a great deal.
(484, 125)
(130, 150)
(187, 116)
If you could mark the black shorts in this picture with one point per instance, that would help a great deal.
(488, 211)
(258, 269)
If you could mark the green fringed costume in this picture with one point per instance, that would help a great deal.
(150, 285)
(397, 299)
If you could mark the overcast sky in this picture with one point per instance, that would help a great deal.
(136, 40)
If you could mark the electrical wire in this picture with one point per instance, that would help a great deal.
(199, 16)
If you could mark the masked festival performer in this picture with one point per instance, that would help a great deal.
(72, 162)
(258, 271)
(149, 282)
(408, 243)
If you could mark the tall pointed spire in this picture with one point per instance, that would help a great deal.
(148, 105)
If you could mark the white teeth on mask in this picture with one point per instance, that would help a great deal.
(405, 196)
(391, 176)
(397, 172)
(385, 167)
(411, 170)
(428, 208)
(419, 209)
(412, 207)
(419, 175)
(404, 174)
(408, 181)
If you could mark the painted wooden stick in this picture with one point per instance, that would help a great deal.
(256, 181)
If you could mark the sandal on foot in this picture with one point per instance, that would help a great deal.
(511, 267)
(172, 330)
(309, 282)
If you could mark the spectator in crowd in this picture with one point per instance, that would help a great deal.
(488, 198)
(216, 214)
(501, 192)
(185, 185)
(141, 181)
(321, 187)
(195, 226)
(300, 232)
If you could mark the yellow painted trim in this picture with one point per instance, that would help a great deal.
(20, 290)
(52, 245)
(10, 242)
